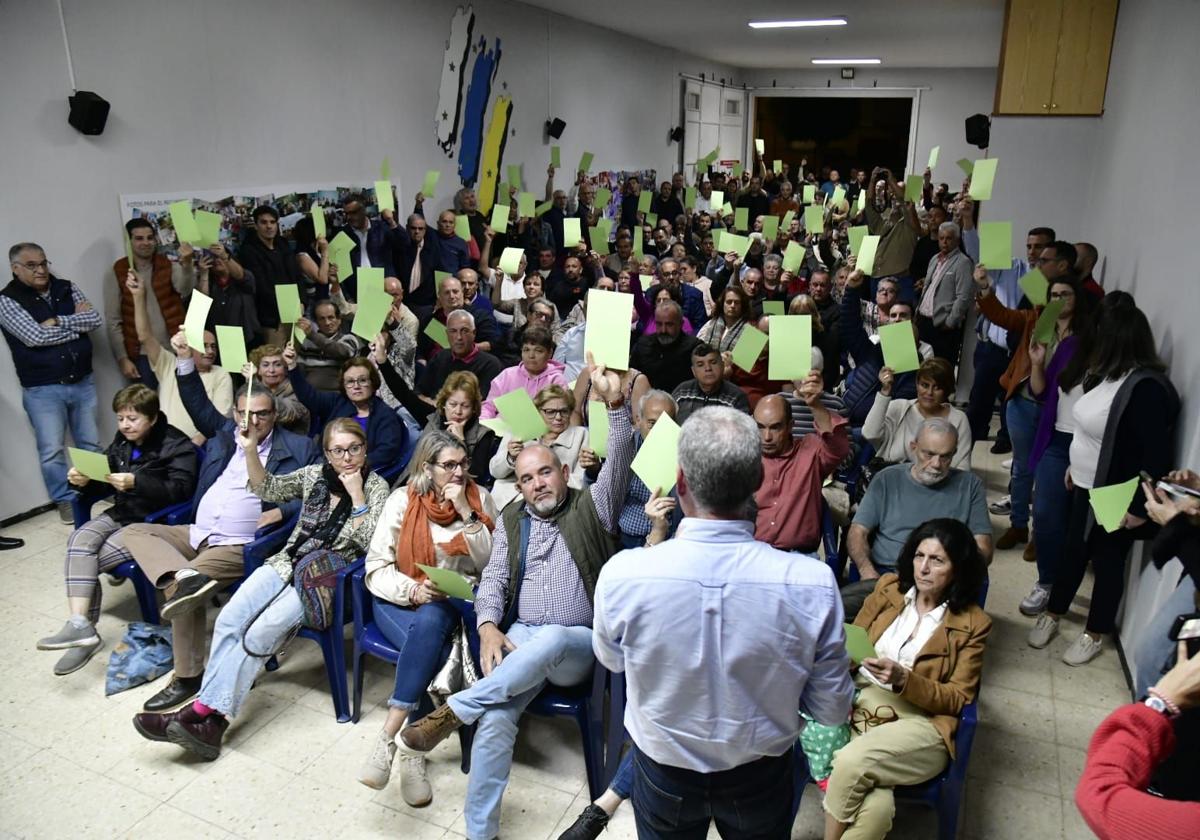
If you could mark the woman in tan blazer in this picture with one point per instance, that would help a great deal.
(929, 634)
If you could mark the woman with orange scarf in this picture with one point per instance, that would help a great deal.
(442, 518)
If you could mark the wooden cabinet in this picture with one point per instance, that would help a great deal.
(1054, 57)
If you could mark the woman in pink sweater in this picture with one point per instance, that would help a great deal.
(536, 371)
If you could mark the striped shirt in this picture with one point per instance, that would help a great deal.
(802, 421)
(15, 319)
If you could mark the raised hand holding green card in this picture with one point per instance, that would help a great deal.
(585, 162)
(500, 218)
(606, 336)
(231, 342)
(995, 244)
(183, 221)
(865, 259)
(598, 428)
(571, 232)
(1043, 330)
(793, 256)
(1035, 286)
(899, 347)
(749, 347)
(196, 318)
(430, 184)
(983, 177)
(555, 156)
(521, 415)
(772, 307)
(384, 199)
(657, 461)
(789, 351)
(741, 218)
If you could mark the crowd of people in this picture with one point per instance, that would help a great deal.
(710, 597)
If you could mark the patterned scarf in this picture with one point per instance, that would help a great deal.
(415, 544)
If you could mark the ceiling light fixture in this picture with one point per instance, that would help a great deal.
(844, 61)
(795, 24)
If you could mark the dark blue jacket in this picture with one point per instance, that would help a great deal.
(404, 254)
(289, 451)
(379, 249)
(863, 382)
(386, 435)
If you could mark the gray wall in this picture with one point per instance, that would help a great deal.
(229, 94)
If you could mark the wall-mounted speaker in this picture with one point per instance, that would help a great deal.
(89, 112)
(979, 129)
(677, 133)
(555, 127)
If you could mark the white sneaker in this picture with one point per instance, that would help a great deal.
(1007, 463)
(1035, 602)
(1083, 650)
(1043, 631)
(414, 784)
(377, 769)
(1002, 506)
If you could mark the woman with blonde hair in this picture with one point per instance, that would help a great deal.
(555, 403)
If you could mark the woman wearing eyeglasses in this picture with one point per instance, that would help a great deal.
(359, 402)
(441, 518)
(929, 633)
(570, 443)
(341, 503)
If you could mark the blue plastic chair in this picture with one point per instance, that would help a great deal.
(829, 542)
(370, 641)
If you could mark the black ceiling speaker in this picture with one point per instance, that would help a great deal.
(677, 133)
(555, 127)
(89, 112)
(979, 129)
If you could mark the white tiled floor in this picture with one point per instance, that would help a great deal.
(74, 767)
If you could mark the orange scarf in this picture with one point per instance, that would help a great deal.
(415, 544)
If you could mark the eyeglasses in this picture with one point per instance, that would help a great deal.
(258, 415)
(360, 381)
(866, 719)
(353, 450)
(555, 412)
(451, 466)
(44, 265)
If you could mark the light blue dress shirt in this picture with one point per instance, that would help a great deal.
(723, 639)
(1005, 285)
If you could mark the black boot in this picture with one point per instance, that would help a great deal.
(588, 826)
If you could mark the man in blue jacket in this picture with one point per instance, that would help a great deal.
(373, 238)
(189, 562)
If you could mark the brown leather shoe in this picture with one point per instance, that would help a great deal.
(1012, 538)
(1030, 553)
(153, 725)
(430, 730)
(201, 736)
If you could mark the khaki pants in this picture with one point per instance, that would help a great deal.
(161, 551)
(907, 751)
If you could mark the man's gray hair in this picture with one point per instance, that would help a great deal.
(950, 227)
(458, 199)
(772, 259)
(937, 425)
(655, 394)
(653, 262)
(462, 313)
(15, 250)
(721, 459)
(672, 305)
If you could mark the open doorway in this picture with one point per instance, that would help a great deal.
(835, 132)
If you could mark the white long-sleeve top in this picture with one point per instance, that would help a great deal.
(892, 424)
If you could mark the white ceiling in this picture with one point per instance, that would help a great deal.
(904, 33)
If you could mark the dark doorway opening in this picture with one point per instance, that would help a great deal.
(835, 132)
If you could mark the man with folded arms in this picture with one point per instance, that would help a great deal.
(722, 639)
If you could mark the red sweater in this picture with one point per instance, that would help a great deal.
(1111, 794)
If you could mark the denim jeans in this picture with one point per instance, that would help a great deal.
(1023, 417)
(548, 653)
(52, 409)
(231, 671)
(423, 637)
(1051, 506)
(990, 362)
(751, 802)
(622, 783)
(1155, 647)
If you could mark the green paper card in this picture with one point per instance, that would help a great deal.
(585, 162)
(717, 234)
(371, 278)
(995, 244)
(770, 228)
(184, 222)
(899, 347)
(738, 169)
(209, 225)
(603, 197)
(652, 218)
(128, 250)
(839, 195)
(858, 643)
(606, 336)
(318, 217)
(571, 232)
(793, 256)
(197, 316)
(726, 210)
(598, 428)
(862, 201)
(741, 218)
(965, 165)
(514, 175)
(525, 205)
(865, 261)
(510, 261)
(503, 192)
(231, 342)
(92, 464)
(759, 145)
(933, 156)
(749, 347)
(438, 277)
(913, 185)
(449, 582)
(1111, 503)
(689, 198)
(773, 307)
(789, 352)
(736, 243)
(814, 219)
(637, 240)
(521, 415)
(644, 199)
(555, 157)
(500, 218)
(342, 243)
(373, 307)
(1035, 286)
(599, 240)
(810, 193)
(983, 177)
(436, 331)
(542, 208)
(657, 461)
(776, 166)
(385, 169)
(716, 199)
(496, 425)
(856, 235)
(786, 224)
(298, 335)
(1043, 330)
(384, 199)
(462, 228)
(430, 184)
(287, 298)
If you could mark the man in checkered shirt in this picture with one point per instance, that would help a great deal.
(539, 630)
